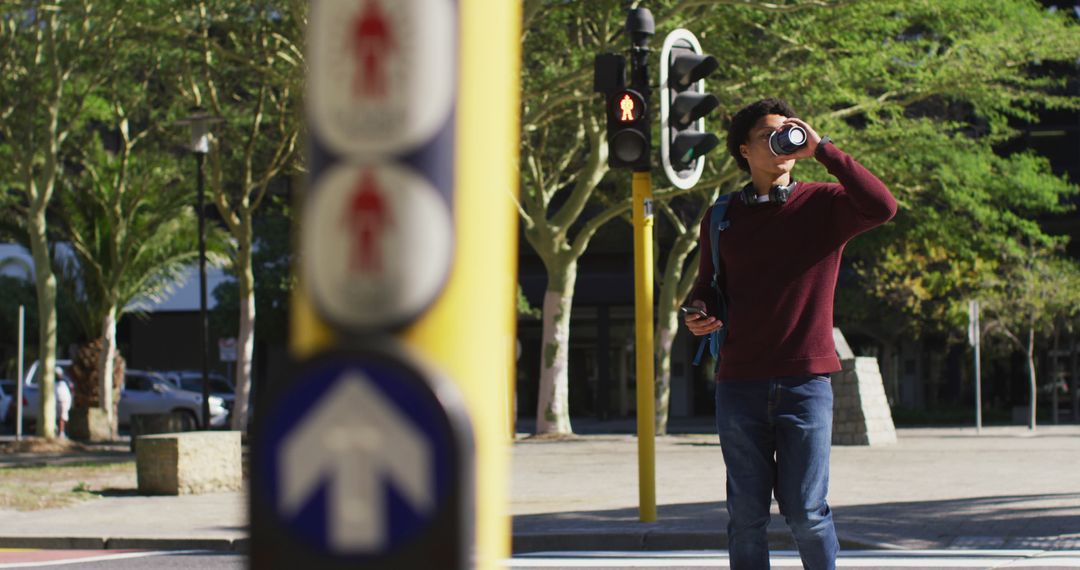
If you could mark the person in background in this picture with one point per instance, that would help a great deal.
(63, 402)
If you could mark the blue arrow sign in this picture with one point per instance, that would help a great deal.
(359, 458)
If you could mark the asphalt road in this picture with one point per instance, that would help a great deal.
(864, 560)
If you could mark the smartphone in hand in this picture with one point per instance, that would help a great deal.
(687, 310)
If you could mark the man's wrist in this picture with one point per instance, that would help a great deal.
(821, 143)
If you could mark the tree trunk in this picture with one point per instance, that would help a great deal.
(676, 283)
(1030, 353)
(665, 337)
(553, 404)
(85, 370)
(245, 343)
(45, 284)
(105, 370)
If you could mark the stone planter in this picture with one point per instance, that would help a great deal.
(189, 463)
(149, 424)
(88, 424)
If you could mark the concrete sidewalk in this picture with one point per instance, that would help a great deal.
(936, 488)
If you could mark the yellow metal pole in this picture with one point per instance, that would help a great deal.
(643, 317)
(308, 334)
(469, 333)
(511, 375)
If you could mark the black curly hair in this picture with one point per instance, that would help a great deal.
(739, 130)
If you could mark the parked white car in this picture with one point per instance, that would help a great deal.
(142, 393)
(149, 393)
(31, 393)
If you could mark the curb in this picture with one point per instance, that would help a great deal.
(239, 545)
(658, 540)
(522, 542)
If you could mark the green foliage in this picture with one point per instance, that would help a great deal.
(244, 64)
(524, 309)
(919, 91)
(962, 212)
(271, 263)
(1035, 289)
(132, 241)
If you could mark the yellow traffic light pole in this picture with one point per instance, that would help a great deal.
(469, 333)
(643, 317)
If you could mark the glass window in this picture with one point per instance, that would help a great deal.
(217, 385)
(138, 383)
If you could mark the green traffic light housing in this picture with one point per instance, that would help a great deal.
(683, 106)
(688, 107)
(688, 67)
(688, 147)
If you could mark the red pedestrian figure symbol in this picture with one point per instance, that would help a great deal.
(371, 43)
(627, 106)
(367, 218)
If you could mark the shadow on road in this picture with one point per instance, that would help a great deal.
(1045, 521)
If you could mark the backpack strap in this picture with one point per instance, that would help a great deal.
(718, 222)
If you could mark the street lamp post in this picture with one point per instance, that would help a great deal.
(200, 145)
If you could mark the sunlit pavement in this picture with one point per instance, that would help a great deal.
(936, 488)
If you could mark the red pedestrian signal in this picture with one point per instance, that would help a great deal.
(626, 111)
(627, 106)
(628, 137)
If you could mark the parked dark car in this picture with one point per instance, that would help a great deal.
(220, 386)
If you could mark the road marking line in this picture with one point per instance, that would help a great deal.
(790, 559)
(102, 558)
(794, 563)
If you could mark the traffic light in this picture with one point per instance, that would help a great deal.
(627, 114)
(628, 130)
(683, 106)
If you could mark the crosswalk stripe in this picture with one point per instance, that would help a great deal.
(102, 558)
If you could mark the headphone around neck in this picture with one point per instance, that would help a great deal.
(778, 194)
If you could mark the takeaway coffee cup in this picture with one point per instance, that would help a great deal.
(787, 140)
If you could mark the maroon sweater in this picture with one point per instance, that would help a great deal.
(780, 268)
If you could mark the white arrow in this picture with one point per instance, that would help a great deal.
(354, 437)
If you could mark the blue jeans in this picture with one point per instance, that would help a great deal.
(776, 434)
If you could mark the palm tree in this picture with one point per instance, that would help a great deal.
(133, 232)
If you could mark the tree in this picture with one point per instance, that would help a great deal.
(272, 268)
(564, 156)
(130, 222)
(1027, 296)
(246, 67)
(131, 232)
(573, 163)
(922, 77)
(48, 55)
(894, 75)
